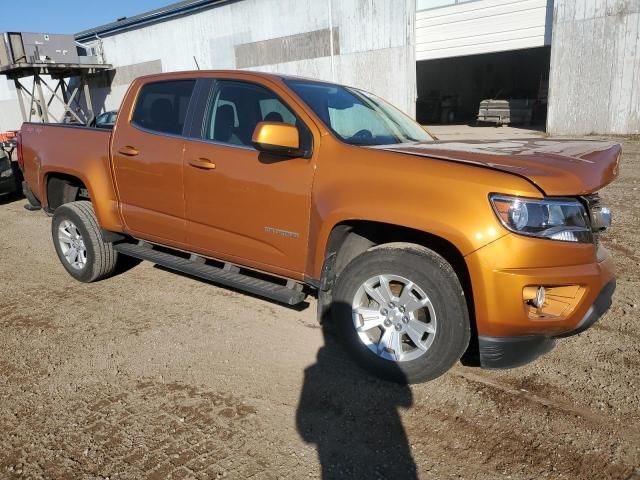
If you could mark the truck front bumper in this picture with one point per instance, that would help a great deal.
(579, 280)
(511, 352)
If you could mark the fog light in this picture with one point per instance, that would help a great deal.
(551, 303)
(534, 296)
(540, 298)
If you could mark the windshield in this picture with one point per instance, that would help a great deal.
(357, 117)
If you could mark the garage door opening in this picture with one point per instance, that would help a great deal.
(450, 90)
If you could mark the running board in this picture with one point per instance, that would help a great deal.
(229, 275)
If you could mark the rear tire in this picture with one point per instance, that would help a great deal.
(423, 314)
(31, 198)
(79, 244)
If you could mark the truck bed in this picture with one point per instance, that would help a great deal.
(78, 151)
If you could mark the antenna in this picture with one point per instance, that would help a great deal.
(194, 59)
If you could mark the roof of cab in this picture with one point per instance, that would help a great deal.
(239, 73)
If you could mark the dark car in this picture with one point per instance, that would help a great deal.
(105, 120)
(10, 175)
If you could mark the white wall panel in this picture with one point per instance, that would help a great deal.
(594, 84)
(376, 48)
(482, 26)
(10, 116)
(367, 30)
(9, 112)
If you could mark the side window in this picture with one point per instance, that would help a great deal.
(162, 106)
(237, 107)
(273, 110)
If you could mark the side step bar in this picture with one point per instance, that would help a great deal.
(229, 275)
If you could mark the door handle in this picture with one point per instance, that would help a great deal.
(202, 163)
(128, 151)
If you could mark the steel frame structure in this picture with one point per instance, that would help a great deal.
(39, 103)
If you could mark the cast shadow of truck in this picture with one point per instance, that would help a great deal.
(353, 418)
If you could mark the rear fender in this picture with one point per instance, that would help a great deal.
(98, 183)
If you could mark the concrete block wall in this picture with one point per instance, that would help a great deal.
(594, 84)
(372, 41)
(373, 47)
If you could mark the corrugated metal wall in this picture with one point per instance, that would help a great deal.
(483, 26)
(595, 68)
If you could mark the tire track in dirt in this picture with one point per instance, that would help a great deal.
(501, 450)
(496, 390)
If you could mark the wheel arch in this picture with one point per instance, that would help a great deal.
(61, 188)
(350, 238)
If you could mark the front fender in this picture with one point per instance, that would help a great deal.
(440, 198)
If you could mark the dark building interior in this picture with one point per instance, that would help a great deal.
(450, 89)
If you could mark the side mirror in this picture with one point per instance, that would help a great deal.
(277, 138)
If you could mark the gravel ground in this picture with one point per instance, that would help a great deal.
(155, 375)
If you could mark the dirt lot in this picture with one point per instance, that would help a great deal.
(154, 375)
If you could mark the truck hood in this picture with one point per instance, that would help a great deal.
(557, 167)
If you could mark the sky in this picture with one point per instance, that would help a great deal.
(68, 16)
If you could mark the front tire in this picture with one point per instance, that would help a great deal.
(401, 313)
(79, 244)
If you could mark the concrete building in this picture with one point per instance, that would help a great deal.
(467, 51)
(595, 67)
(576, 61)
(362, 43)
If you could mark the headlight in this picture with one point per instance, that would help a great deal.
(564, 220)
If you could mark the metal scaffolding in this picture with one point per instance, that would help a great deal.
(38, 100)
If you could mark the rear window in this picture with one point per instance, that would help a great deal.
(162, 106)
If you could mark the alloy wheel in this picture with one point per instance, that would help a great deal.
(394, 317)
(72, 245)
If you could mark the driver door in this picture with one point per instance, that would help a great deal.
(241, 204)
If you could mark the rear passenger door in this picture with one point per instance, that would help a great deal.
(241, 204)
(147, 155)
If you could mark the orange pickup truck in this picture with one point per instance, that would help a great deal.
(420, 251)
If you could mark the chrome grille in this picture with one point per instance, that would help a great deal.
(599, 216)
(592, 200)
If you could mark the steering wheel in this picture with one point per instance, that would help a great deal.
(362, 135)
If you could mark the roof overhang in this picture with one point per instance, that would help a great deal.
(161, 14)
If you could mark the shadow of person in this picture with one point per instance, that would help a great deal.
(353, 419)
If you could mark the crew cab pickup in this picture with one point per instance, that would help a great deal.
(419, 250)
